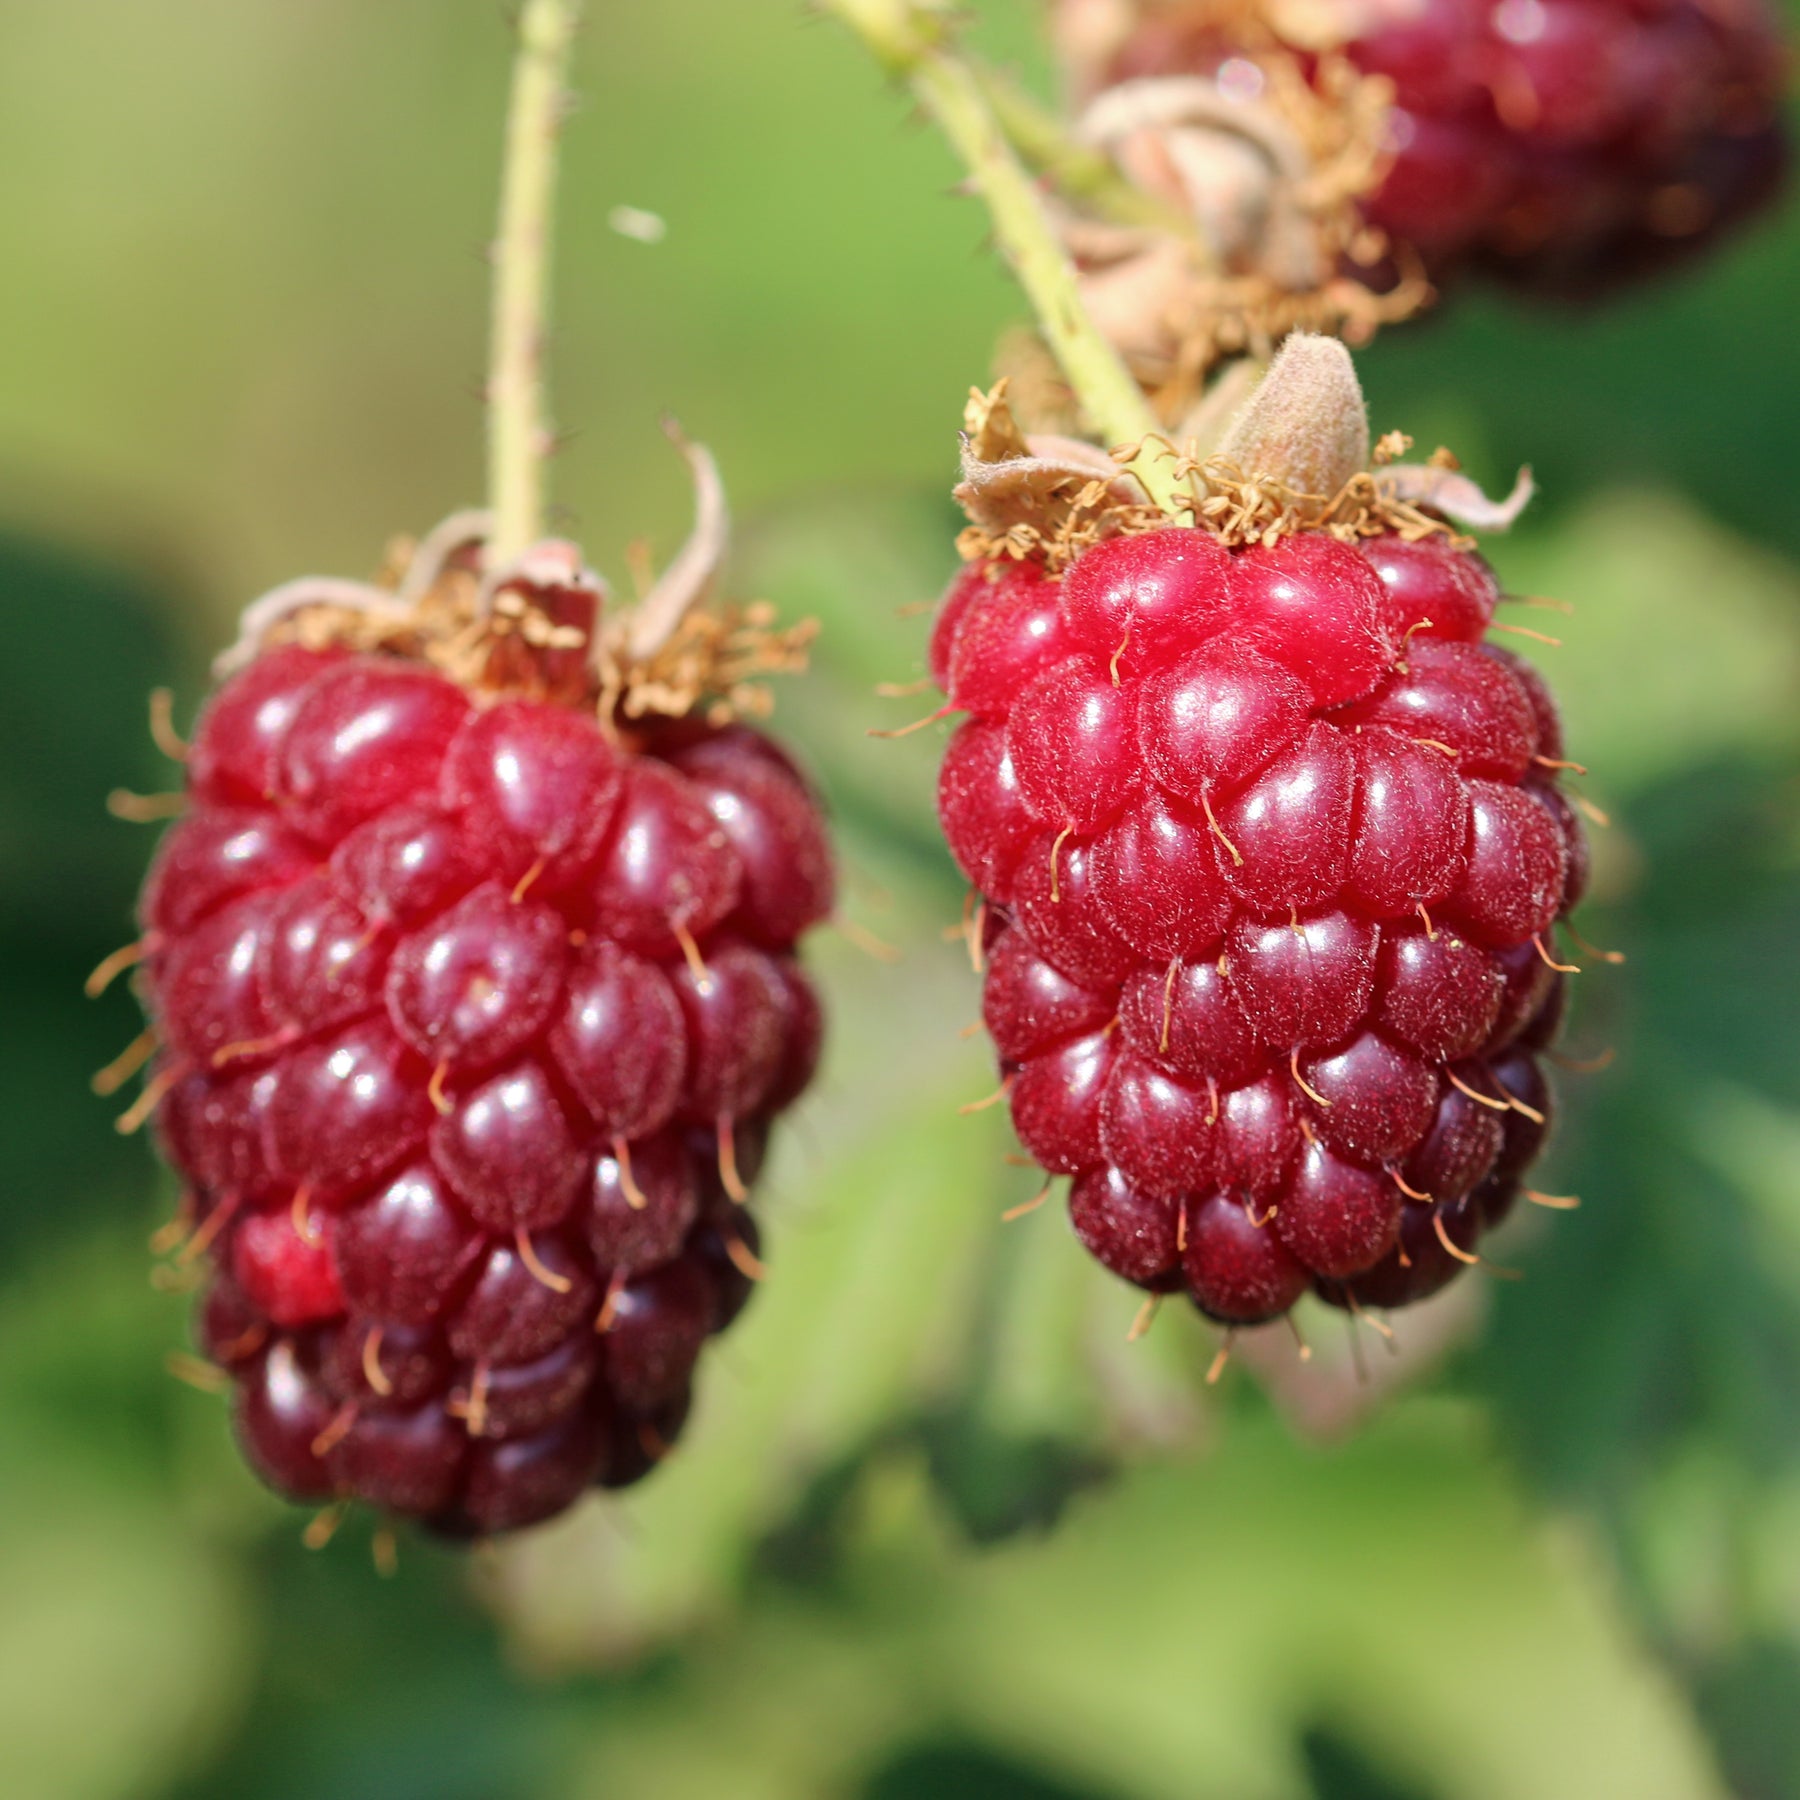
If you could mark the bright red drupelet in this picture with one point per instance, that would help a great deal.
(1565, 144)
(473, 1025)
(1273, 846)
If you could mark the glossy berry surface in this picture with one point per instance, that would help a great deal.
(473, 1023)
(1271, 849)
(1565, 144)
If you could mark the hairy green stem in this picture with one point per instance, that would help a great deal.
(913, 40)
(1071, 167)
(519, 434)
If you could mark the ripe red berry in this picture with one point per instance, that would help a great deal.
(473, 1021)
(1564, 144)
(1273, 846)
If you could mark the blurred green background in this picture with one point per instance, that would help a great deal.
(936, 1529)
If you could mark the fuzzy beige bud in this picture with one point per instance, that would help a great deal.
(1305, 424)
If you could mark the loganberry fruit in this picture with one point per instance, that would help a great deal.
(473, 1016)
(1565, 144)
(472, 981)
(1273, 844)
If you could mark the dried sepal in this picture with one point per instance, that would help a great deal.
(1039, 497)
(311, 609)
(1271, 159)
(539, 628)
(1297, 457)
(1445, 489)
(523, 630)
(685, 584)
(713, 664)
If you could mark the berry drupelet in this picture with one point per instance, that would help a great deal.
(477, 995)
(1562, 144)
(1271, 846)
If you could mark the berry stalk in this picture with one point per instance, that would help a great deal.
(914, 42)
(1071, 167)
(518, 427)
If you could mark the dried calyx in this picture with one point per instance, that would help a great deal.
(540, 626)
(1296, 457)
(1270, 158)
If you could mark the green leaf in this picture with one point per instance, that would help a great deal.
(1183, 1633)
(1178, 1633)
